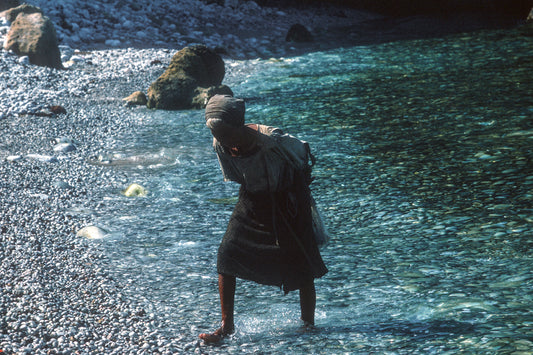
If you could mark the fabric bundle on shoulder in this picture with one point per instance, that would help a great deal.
(270, 169)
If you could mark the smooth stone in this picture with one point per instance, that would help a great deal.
(69, 64)
(64, 147)
(91, 232)
(42, 158)
(77, 59)
(135, 190)
(137, 98)
(61, 184)
(24, 60)
(62, 140)
(14, 158)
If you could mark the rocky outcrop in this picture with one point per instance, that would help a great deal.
(8, 4)
(298, 33)
(34, 35)
(191, 71)
(12, 13)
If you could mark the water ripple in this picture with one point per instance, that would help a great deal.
(423, 175)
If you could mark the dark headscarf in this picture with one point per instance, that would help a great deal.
(225, 108)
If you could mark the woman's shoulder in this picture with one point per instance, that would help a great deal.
(269, 130)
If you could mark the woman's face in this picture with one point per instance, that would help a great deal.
(228, 136)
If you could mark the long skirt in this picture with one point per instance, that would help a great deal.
(270, 239)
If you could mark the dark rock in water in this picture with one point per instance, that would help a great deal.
(57, 109)
(190, 68)
(202, 95)
(8, 4)
(298, 33)
(50, 112)
(14, 11)
(34, 35)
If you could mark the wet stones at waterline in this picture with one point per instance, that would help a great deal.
(34, 35)
(191, 68)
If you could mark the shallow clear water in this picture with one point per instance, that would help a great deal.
(424, 176)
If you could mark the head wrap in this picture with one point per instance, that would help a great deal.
(225, 108)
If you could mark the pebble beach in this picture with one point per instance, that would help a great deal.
(57, 294)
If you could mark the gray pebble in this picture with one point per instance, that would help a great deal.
(64, 147)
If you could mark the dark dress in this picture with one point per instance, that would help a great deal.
(270, 238)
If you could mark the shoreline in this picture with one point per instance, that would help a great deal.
(244, 30)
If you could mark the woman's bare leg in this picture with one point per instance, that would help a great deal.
(308, 302)
(226, 290)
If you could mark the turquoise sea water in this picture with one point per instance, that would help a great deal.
(424, 177)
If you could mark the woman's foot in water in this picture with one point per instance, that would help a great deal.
(217, 335)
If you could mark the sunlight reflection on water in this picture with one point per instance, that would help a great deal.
(424, 176)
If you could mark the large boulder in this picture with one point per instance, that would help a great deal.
(202, 95)
(34, 35)
(191, 68)
(12, 12)
(298, 33)
(8, 4)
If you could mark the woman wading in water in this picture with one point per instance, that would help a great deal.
(270, 237)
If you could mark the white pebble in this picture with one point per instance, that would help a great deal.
(64, 147)
(77, 59)
(135, 190)
(91, 232)
(42, 158)
(24, 60)
(14, 158)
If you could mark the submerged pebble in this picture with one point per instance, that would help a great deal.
(134, 190)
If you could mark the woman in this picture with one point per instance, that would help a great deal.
(269, 238)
